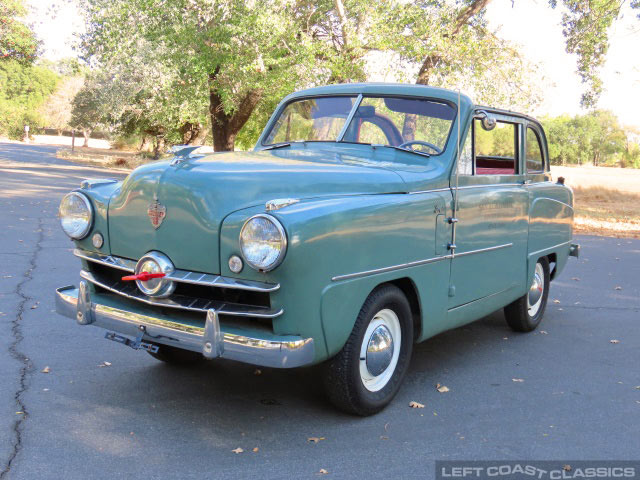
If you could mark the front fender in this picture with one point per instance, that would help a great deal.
(333, 237)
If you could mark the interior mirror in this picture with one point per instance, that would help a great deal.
(487, 120)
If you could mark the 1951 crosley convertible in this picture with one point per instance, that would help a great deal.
(367, 218)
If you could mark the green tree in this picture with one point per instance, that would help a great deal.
(23, 89)
(593, 138)
(17, 41)
(586, 28)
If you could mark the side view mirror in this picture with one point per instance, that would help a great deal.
(487, 120)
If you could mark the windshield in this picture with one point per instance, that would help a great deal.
(410, 123)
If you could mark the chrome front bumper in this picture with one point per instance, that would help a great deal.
(271, 351)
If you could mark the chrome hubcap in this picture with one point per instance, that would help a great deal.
(534, 298)
(380, 350)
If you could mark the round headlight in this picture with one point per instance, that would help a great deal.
(263, 242)
(76, 214)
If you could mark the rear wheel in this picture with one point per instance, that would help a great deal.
(176, 356)
(367, 373)
(525, 314)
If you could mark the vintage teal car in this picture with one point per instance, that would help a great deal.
(367, 218)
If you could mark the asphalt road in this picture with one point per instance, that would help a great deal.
(580, 398)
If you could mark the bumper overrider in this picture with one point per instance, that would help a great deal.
(269, 351)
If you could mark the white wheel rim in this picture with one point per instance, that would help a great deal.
(536, 291)
(387, 319)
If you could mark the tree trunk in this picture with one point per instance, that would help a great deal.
(86, 134)
(225, 127)
(144, 146)
(200, 137)
(158, 147)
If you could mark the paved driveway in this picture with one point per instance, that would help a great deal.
(580, 398)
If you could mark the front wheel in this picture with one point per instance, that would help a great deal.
(367, 373)
(525, 314)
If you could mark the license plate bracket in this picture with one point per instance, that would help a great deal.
(136, 344)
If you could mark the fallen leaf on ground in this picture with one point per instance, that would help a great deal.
(34, 306)
(519, 380)
(19, 413)
(315, 439)
(567, 468)
(413, 404)
(614, 341)
(105, 364)
(257, 371)
(575, 279)
(46, 370)
(556, 301)
(442, 388)
(544, 332)
(618, 288)
(323, 471)
(255, 449)
(237, 450)
(384, 437)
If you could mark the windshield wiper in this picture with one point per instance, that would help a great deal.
(277, 145)
(424, 154)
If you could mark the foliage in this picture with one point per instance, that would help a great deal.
(593, 138)
(17, 41)
(585, 26)
(454, 48)
(23, 89)
(234, 60)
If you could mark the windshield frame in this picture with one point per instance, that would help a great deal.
(356, 104)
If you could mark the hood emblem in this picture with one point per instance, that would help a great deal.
(157, 212)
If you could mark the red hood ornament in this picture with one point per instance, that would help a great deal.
(157, 212)
(143, 277)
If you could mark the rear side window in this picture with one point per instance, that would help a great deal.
(496, 150)
(535, 162)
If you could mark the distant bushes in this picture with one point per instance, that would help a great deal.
(23, 89)
(595, 138)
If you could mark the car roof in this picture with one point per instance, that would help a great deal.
(384, 89)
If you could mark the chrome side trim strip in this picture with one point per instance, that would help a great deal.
(182, 302)
(465, 187)
(537, 252)
(183, 276)
(271, 351)
(493, 185)
(447, 189)
(482, 250)
(416, 263)
(388, 269)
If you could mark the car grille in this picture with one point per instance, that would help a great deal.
(194, 292)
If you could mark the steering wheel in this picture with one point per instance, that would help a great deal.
(420, 142)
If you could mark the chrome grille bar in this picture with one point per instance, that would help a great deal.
(182, 302)
(183, 276)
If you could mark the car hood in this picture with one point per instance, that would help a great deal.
(199, 193)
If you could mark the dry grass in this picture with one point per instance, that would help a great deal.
(607, 200)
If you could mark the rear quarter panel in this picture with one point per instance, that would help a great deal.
(550, 223)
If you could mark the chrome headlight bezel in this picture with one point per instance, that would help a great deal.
(87, 203)
(283, 243)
